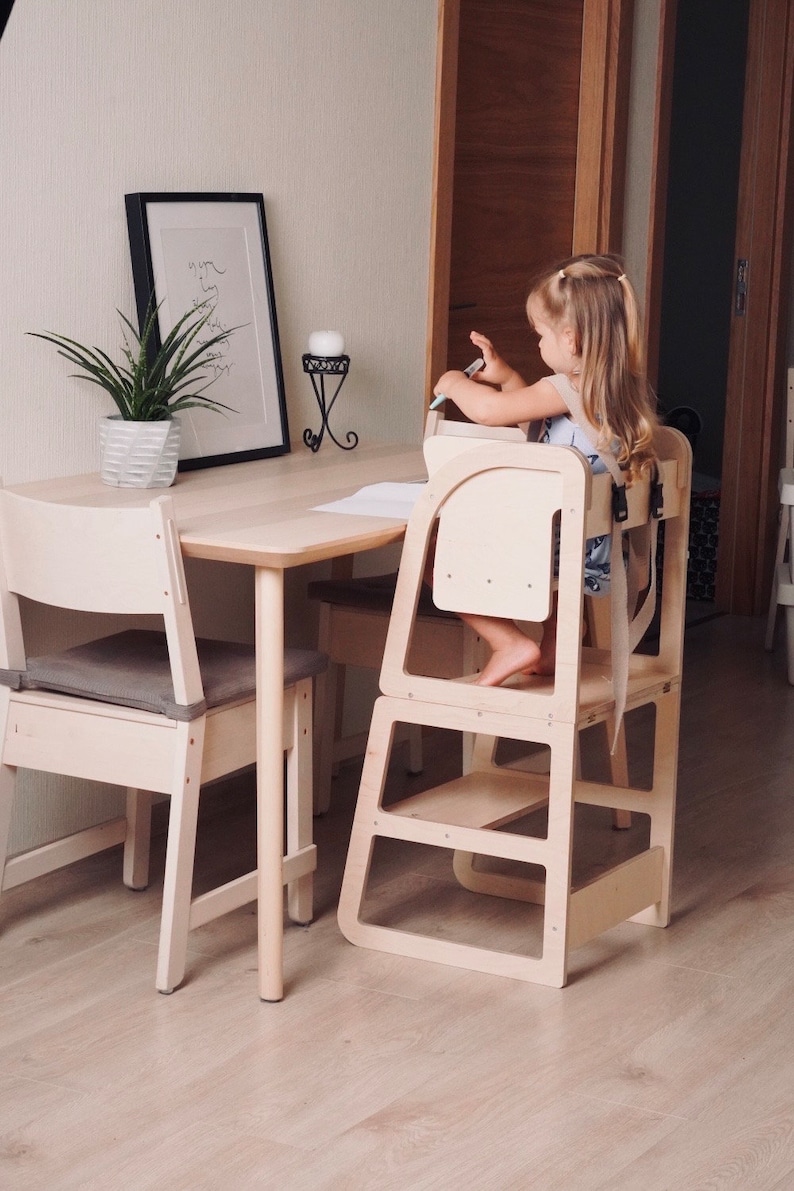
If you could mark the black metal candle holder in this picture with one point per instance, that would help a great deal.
(318, 368)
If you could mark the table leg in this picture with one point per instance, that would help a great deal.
(270, 779)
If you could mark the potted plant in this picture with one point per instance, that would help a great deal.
(139, 446)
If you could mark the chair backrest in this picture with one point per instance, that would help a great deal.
(494, 552)
(494, 510)
(109, 560)
(444, 437)
(455, 579)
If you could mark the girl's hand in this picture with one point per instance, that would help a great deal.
(496, 371)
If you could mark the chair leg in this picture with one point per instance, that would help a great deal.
(137, 845)
(415, 756)
(8, 775)
(599, 633)
(299, 817)
(329, 701)
(659, 802)
(790, 641)
(473, 659)
(780, 554)
(180, 857)
(329, 693)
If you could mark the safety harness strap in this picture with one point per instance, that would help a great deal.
(632, 571)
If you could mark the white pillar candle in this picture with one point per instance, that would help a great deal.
(326, 343)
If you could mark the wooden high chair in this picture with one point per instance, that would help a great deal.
(502, 512)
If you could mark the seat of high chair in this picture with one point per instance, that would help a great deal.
(786, 485)
(647, 678)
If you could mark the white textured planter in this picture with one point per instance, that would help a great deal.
(138, 454)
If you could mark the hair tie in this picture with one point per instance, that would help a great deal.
(562, 275)
(623, 277)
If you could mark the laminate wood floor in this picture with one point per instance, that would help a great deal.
(667, 1064)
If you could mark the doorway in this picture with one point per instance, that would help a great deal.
(700, 224)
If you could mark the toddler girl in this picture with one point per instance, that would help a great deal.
(585, 315)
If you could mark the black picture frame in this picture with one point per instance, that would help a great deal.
(187, 248)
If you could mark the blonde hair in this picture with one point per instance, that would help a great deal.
(593, 296)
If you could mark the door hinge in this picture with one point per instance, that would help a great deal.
(740, 303)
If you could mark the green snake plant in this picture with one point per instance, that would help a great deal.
(153, 382)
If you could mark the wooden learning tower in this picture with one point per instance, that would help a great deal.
(509, 521)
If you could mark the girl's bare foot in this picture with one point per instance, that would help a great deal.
(521, 655)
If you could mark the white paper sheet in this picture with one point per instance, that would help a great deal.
(388, 499)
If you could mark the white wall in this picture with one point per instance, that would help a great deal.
(324, 106)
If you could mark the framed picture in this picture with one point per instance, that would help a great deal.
(190, 249)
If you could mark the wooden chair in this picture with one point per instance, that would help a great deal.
(539, 491)
(156, 712)
(782, 594)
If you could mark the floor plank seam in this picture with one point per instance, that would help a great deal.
(650, 1112)
(337, 982)
(663, 963)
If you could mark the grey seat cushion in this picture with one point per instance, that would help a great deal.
(132, 669)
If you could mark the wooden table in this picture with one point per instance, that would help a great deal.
(261, 514)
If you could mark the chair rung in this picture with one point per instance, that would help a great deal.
(60, 852)
(525, 848)
(786, 486)
(300, 863)
(216, 902)
(242, 890)
(615, 896)
(784, 588)
(477, 800)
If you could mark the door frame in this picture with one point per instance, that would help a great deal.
(601, 150)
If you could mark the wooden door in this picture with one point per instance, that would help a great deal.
(759, 327)
(524, 173)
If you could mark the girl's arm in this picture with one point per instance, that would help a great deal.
(516, 402)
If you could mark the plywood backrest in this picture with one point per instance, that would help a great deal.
(72, 556)
(514, 556)
(125, 561)
(493, 511)
(495, 546)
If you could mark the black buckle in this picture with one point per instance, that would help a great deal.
(620, 506)
(656, 499)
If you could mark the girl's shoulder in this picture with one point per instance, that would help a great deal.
(562, 384)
